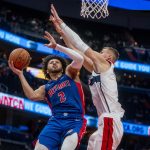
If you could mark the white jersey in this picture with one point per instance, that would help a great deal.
(104, 91)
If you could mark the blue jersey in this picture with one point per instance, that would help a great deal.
(65, 97)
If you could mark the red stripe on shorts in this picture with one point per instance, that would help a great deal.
(82, 132)
(107, 140)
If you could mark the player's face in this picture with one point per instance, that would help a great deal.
(54, 66)
(107, 54)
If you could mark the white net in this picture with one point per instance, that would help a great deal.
(94, 9)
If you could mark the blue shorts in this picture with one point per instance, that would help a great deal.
(53, 134)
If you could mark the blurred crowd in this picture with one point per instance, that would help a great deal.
(132, 142)
(95, 35)
(133, 80)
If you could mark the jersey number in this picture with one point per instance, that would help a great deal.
(62, 97)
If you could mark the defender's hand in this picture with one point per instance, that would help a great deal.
(52, 42)
(55, 15)
(56, 25)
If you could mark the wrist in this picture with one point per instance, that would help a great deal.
(63, 25)
(54, 46)
(60, 21)
(57, 47)
(20, 75)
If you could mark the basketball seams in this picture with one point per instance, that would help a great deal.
(25, 57)
(20, 58)
(19, 53)
(27, 60)
(13, 55)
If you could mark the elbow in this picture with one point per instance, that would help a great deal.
(77, 64)
(32, 97)
(81, 59)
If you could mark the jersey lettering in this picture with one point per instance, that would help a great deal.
(57, 87)
(62, 97)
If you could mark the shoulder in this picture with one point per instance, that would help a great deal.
(72, 72)
(101, 67)
(109, 70)
(42, 88)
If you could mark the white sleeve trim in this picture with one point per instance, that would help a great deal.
(76, 57)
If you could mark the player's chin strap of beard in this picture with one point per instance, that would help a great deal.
(47, 75)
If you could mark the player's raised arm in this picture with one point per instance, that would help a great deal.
(76, 57)
(38, 94)
(65, 29)
(59, 30)
(88, 64)
(78, 43)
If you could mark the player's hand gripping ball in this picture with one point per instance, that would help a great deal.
(20, 57)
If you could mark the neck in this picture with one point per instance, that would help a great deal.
(55, 76)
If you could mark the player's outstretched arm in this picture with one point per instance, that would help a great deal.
(77, 42)
(38, 94)
(88, 64)
(76, 57)
(55, 15)
(69, 34)
(59, 30)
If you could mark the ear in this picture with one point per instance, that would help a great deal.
(47, 71)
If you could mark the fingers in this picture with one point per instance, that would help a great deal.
(51, 18)
(55, 15)
(11, 66)
(54, 12)
(48, 36)
(52, 41)
(10, 63)
(56, 25)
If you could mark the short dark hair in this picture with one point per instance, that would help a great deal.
(115, 52)
(47, 59)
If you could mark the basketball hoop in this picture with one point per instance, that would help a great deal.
(94, 9)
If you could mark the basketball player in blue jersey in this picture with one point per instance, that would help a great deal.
(103, 87)
(64, 94)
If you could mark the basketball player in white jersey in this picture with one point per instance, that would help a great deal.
(103, 87)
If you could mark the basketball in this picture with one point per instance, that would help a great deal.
(20, 57)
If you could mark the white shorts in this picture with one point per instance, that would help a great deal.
(109, 133)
